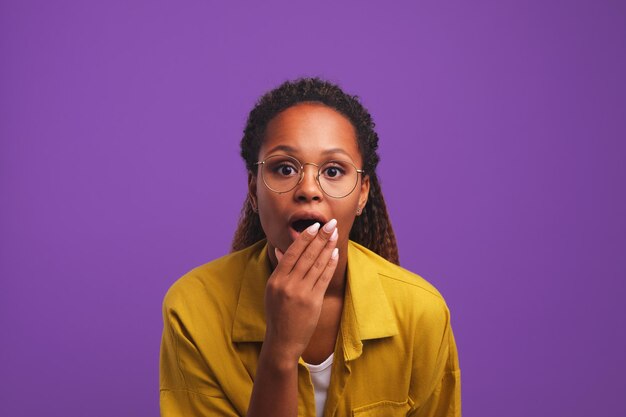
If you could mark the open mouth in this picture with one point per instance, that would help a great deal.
(300, 225)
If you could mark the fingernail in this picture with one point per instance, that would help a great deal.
(335, 253)
(313, 228)
(328, 227)
(278, 253)
(334, 236)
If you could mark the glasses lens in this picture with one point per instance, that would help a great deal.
(281, 173)
(338, 178)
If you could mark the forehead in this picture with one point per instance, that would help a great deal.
(311, 130)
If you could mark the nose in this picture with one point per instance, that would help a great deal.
(308, 189)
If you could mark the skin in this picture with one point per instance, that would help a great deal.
(304, 294)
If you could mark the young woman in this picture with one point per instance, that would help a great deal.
(311, 314)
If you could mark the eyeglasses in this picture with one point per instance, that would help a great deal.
(336, 178)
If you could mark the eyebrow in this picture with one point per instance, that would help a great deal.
(290, 149)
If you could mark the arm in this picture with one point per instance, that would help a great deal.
(445, 401)
(293, 302)
(275, 391)
(182, 370)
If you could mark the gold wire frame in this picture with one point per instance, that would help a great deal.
(317, 177)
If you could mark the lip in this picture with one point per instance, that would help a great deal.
(293, 234)
(304, 214)
(308, 214)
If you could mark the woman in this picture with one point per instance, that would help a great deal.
(310, 315)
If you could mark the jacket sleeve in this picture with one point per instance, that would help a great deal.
(445, 400)
(187, 385)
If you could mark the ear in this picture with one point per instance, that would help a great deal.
(364, 191)
(252, 191)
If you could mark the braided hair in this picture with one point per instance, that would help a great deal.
(372, 228)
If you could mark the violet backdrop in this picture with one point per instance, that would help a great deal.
(502, 127)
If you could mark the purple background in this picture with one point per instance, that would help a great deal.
(502, 130)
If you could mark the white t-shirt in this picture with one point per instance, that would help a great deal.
(320, 376)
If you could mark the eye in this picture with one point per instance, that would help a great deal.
(285, 169)
(333, 172)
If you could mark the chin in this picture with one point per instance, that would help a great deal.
(281, 243)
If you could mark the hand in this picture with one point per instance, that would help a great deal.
(295, 291)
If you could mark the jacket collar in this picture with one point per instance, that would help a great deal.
(366, 311)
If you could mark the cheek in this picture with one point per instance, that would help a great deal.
(271, 205)
(346, 215)
(270, 213)
(266, 207)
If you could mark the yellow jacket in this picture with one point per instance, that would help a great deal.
(395, 353)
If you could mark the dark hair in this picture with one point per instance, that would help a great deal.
(372, 228)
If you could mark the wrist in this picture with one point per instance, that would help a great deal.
(278, 358)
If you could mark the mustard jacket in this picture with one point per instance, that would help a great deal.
(395, 353)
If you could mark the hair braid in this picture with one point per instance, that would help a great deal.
(372, 228)
(249, 230)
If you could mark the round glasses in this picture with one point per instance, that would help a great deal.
(282, 173)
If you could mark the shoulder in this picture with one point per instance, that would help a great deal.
(395, 275)
(216, 281)
(406, 291)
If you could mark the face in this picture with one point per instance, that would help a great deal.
(312, 133)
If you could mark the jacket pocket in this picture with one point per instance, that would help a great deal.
(382, 409)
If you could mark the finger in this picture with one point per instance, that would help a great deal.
(320, 264)
(322, 282)
(278, 254)
(311, 253)
(294, 251)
